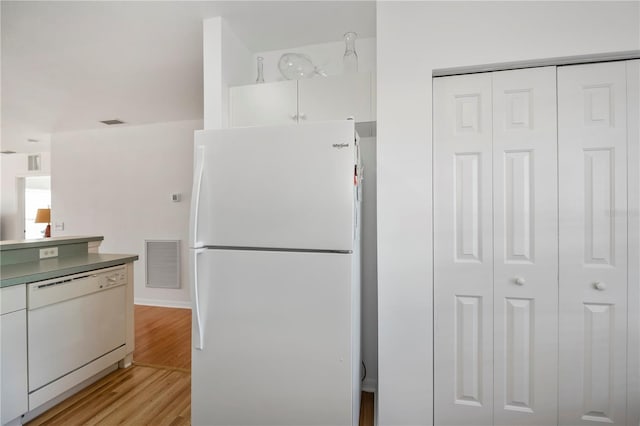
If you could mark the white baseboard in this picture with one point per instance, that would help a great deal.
(370, 385)
(162, 303)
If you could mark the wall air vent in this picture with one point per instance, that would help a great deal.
(112, 122)
(162, 263)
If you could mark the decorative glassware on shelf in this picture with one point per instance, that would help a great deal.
(260, 78)
(294, 66)
(350, 58)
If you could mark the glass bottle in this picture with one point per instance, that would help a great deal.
(350, 59)
(260, 78)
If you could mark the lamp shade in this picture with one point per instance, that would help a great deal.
(43, 216)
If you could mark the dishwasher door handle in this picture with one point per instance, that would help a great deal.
(198, 340)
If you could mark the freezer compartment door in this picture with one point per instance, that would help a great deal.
(279, 186)
(277, 339)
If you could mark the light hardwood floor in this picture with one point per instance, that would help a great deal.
(156, 390)
(135, 396)
(163, 337)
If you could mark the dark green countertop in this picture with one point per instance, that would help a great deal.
(28, 272)
(46, 242)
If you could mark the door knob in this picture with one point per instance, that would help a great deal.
(303, 116)
(600, 286)
(294, 116)
(519, 280)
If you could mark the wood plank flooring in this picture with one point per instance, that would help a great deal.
(366, 409)
(156, 390)
(163, 336)
(135, 396)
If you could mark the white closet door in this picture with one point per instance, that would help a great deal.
(592, 139)
(633, 114)
(525, 247)
(463, 251)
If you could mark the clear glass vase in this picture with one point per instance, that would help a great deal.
(350, 58)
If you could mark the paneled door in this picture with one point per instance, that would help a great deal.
(633, 300)
(592, 137)
(495, 248)
(525, 246)
(463, 255)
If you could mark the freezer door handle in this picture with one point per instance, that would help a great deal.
(195, 199)
(199, 334)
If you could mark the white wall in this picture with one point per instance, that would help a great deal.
(413, 39)
(13, 166)
(212, 72)
(226, 63)
(118, 182)
(236, 66)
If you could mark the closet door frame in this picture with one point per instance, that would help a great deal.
(632, 314)
(633, 174)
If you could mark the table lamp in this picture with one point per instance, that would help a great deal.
(44, 216)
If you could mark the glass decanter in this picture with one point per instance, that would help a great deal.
(260, 78)
(350, 58)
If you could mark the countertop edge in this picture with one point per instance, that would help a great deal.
(46, 242)
(45, 275)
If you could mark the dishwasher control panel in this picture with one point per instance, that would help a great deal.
(115, 278)
(55, 290)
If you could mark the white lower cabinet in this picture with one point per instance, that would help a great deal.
(530, 246)
(13, 356)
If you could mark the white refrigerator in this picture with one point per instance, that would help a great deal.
(275, 276)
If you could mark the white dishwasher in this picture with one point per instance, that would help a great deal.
(74, 320)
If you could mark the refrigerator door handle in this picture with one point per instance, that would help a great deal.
(195, 199)
(199, 332)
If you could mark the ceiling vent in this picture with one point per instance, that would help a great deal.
(112, 122)
(7, 152)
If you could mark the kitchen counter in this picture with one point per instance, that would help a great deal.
(46, 242)
(27, 272)
(21, 262)
(98, 310)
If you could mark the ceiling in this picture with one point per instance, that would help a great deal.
(66, 65)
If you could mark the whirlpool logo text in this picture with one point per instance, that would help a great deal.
(340, 145)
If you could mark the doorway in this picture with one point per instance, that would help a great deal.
(35, 195)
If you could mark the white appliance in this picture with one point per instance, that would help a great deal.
(276, 276)
(77, 327)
